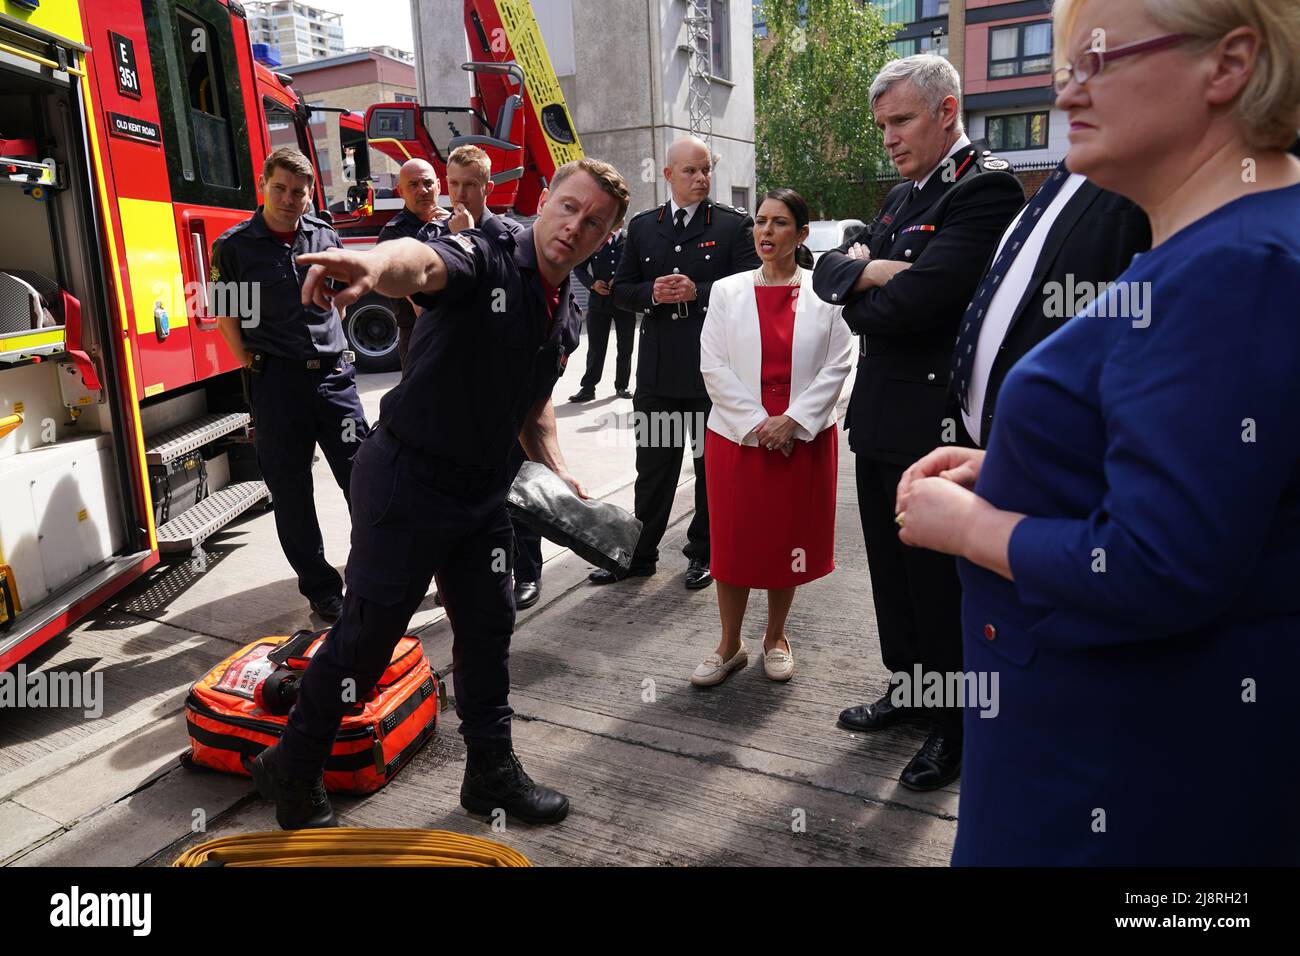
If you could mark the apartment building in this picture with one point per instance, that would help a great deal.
(295, 32)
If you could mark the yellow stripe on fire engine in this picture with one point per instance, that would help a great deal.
(128, 360)
(543, 88)
(61, 17)
(154, 260)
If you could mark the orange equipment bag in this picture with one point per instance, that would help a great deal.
(241, 707)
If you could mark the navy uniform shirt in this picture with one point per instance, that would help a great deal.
(407, 225)
(490, 353)
(249, 253)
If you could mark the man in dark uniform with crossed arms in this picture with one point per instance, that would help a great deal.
(671, 258)
(430, 483)
(904, 282)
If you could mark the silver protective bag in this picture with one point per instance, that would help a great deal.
(602, 533)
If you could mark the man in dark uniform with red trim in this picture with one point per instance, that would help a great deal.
(671, 258)
(905, 282)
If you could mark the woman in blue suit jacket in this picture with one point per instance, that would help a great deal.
(1131, 545)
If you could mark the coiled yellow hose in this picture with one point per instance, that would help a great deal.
(352, 846)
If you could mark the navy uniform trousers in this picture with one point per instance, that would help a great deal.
(294, 409)
(598, 323)
(415, 518)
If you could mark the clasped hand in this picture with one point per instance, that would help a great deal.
(674, 288)
(776, 432)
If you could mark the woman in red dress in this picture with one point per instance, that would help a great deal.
(774, 359)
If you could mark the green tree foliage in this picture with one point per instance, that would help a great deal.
(815, 131)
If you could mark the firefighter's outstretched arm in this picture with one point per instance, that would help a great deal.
(395, 269)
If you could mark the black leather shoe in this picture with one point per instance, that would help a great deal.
(495, 779)
(601, 576)
(583, 395)
(527, 593)
(936, 764)
(623, 393)
(875, 716)
(697, 575)
(329, 608)
(299, 804)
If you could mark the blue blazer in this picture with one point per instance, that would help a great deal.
(1148, 649)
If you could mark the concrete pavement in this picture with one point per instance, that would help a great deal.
(659, 771)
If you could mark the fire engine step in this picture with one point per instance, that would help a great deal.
(174, 442)
(192, 526)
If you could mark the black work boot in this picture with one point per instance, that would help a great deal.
(299, 804)
(495, 779)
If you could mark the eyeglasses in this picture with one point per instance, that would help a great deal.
(1094, 61)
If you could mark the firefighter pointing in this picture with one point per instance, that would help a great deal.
(429, 485)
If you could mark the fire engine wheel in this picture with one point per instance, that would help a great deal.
(371, 331)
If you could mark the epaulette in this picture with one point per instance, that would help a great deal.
(645, 212)
(734, 210)
(237, 227)
(995, 163)
(496, 229)
(318, 222)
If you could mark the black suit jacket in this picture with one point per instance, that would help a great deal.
(1093, 240)
(603, 265)
(907, 327)
(716, 243)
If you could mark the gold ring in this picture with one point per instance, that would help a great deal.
(898, 518)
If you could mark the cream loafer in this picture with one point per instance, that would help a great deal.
(778, 664)
(714, 670)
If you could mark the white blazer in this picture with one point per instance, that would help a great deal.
(731, 359)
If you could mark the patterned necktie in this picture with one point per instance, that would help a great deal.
(963, 356)
(680, 217)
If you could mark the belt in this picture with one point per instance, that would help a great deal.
(314, 364)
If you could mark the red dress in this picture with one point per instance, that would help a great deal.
(772, 518)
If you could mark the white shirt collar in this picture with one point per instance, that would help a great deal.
(962, 142)
(690, 210)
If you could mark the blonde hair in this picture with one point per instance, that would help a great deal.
(1268, 107)
(471, 157)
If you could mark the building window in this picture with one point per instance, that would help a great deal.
(1020, 50)
(897, 11)
(1016, 131)
(721, 32)
(903, 47)
(405, 98)
(740, 197)
(934, 8)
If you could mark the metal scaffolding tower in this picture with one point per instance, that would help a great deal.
(699, 48)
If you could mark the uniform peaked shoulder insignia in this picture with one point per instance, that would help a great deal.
(646, 212)
(994, 163)
(737, 210)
